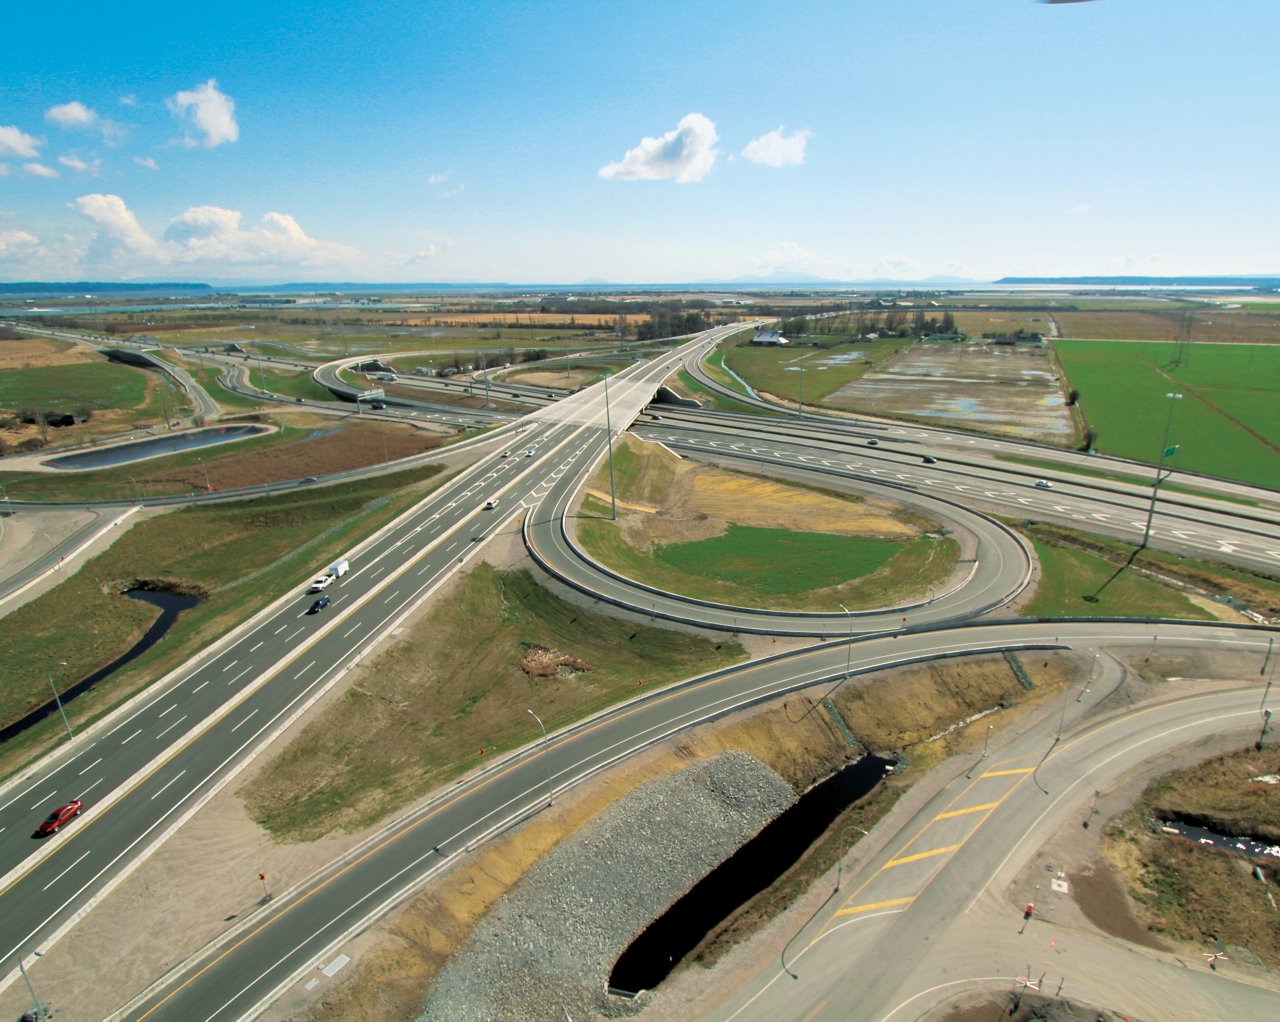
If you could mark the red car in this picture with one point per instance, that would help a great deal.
(61, 815)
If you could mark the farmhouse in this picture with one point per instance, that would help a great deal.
(769, 338)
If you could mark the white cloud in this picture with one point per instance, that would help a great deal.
(774, 149)
(129, 100)
(17, 244)
(119, 235)
(424, 255)
(71, 115)
(439, 179)
(211, 233)
(75, 163)
(39, 170)
(1080, 210)
(18, 143)
(146, 161)
(211, 111)
(686, 154)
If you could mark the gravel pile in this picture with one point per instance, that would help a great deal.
(548, 947)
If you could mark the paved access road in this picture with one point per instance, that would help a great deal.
(932, 914)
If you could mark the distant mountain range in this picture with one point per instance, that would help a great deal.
(1261, 280)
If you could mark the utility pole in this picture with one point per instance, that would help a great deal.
(1165, 452)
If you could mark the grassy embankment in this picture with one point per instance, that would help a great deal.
(1195, 895)
(116, 394)
(1225, 424)
(750, 562)
(1079, 565)
(893, 711)
(240, 556)
(451, 694)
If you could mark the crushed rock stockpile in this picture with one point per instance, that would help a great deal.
(549, 945)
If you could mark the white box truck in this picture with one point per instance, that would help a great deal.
(339, 568)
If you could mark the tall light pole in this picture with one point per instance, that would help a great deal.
(844, 834)
(546, 746)
(207, 485)
(848, 655)
(608, 425)
(48, 672)
(42, 1011)
(800, 403)
(1165, 452)
(8, 504)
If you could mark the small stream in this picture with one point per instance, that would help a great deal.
(170, 604)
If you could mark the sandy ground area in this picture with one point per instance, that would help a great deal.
(27, 536)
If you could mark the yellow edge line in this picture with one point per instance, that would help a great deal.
(1007, 773)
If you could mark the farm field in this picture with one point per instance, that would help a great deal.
(1207, 323)
(1225, 425)
(779, 371)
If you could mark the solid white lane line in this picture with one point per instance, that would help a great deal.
(172, 726)
(161, 791)
(245, 720)
(66, 871)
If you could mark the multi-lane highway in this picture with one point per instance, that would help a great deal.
(152, 765)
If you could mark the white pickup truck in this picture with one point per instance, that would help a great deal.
(334, 572)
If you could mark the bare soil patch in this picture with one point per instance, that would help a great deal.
(551, 379)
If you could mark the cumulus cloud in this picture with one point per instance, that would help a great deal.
(17, 244)
(38, 170)
(687, 153)
(18, 143)
(119, 235)
(71, 115)
(75, 163)
(146, 161)
(211, 111)
(214, 234)
(424, 255)
(775, 149)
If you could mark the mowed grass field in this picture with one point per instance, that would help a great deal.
(1226, 424)
(92, 384)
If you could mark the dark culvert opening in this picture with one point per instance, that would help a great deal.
(751, 869)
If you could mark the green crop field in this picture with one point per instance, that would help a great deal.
(1226, 423)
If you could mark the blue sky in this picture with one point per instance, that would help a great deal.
(638, 142)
